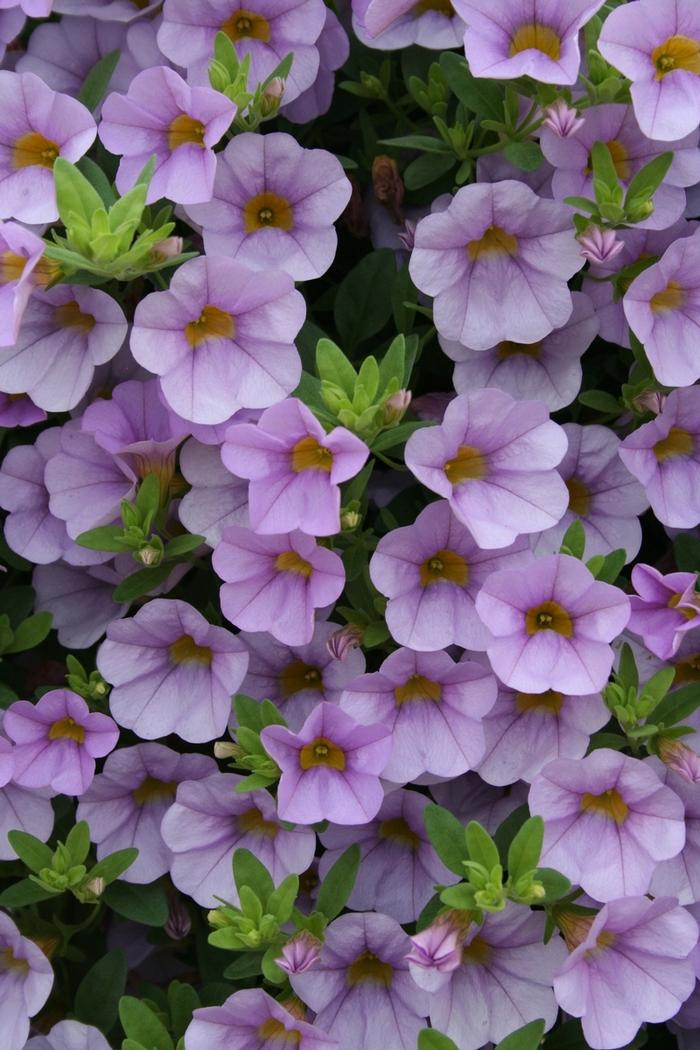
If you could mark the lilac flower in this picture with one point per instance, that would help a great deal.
(221, 338)
(127, 801)
(268, 34)
(274, 583)
(391, 24)
(436, 951)
(7, 762)
(681, 760)
(608, 822)
(656, 43)
(171, 672)
(431, 573)
(361, 990)
(615, 126)
(493, 459)
(251, 1019)
(79, 599)
(552, 624)
(21, 270)
(298, 678)
(22, 809)
(680, 876)
(663, 609)
(603, 495)
(600, 246)
(330, 768)
(70, 1035)
(548, 370)
(65, 333)
(135, 425)
(510, 38)
(208, 821)
(109, 10)
(26, 978)
(333, 50)
(294, 467)
(37, 125)
(57, 741)
(216, 498)
(471, 798)
(664, 455)
(633, 966)
(300, 954)
(31, 8)
(274, 205)
(12, 21)
(562, 119)
(162, 115)
(504, 980)
(433, 707)
(18, 410)
(497, 261)
(399, 868)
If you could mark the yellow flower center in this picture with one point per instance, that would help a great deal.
(11, 266)
(67, 729)
(185, 130)
(398, 831)
(418, 687)
(290, 561)
(688, 669)
(186, 651)
(538, 37)
(308, 454)
(579, 497)
(508, 349)
(273, 1031)
(468, 465)
(443, 7)
(549, 703)
(152, 790)
(444, 567)
(254, 822)
(549, 616)
(299, 676)
(33, 150)
(322, 752)
(610, 805)
(212, 323)
(673, 601)
(495, 241)
(678, 442)
(247, 24)
(477, 952)
(267, 209)
(368, 968)
(671, 297)
(678, 52)
(605, 939)
(69, 315)
(10, 962)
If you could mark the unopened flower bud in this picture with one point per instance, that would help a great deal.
(598, 245)
(407, 236)
(272, 97)
(562, 119)
(300, 954)
(95, 887)
(396, 406)
(218, 75)
(227, 749)
(650, 401)
(680, 758)
(437, 950)
(217, 918)
(168, 248)
(344, 641)
(179, 923)
(388, 186)
(349, 519)
(149, 556)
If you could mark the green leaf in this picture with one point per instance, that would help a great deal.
(646, 182)
(614, 562)
(34, 853)
(481, 846)
(659, 684)
(31, 632)
(525, 155)
(678, 705)
(600, 401)
(447, 836)
(555, 884)
(525, 849)
(185, 544)
(246, 965)
(427, 169)
(368, 378)
(460, 896)
(248, 871)
(78, 842)
(686, 549)
(333, 366)
(606, 182)
(397, 435)
(403, 292)
(141, 582)
(612, 740)
(362, 303)
(141, 1024)
(582, 203)
(97, 81)
(148, 496)
(337, 886)
(147, 904)
(425, 143)
(98, 994)
(111, 867)
(574, 540)
(482, 96)
(431, 1039)
(25, 892)
(526, 1038)
(74, 194)
(280, 903)
(627, 667)
(182, 1002)
(103, 538)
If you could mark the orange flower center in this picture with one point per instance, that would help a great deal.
(468, 465)
(152, 790)
(186, 651)
(477, 952)
(678, 52)
(185, 130)
(273, 1031)
(538, 37)
(322, 752)
(671, 297)
(267, 209)
(212, 323)
(508, 349)
(290, 561)
(678, 442)
(549, 703)
(418, 688)
(610, 805)
(298, 676)
(33, 150)
(246, 25)
(495, 241)
(67, 729)
(308, 454)
(368, 968)
(673, 601)
(254, 822)
(398, 831)
(579, 497)
(549, 616)
(69, 315)
(444, 567)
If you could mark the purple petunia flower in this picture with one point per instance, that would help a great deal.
(37, 125)
(26, 978)
(471, 798)
(251, 1019)
(79, 599)
(12, 20)
(333, 49)
(57, 740)
(216, 498)
(31, 8)
(436, 950)
(221, 338)
(552, 623)
(69, 1035)
(162, 116)
(207, 821)
(107, 10)
(433, 707)
(18, 410)
(274, 205)
(24, 809)
(274, 583)
(391, 24)
(127, 801)
(663, 609)
(680, 876)
(361, 990)
(22, 268)
(330, 768)
(63, 53)
(493, 459)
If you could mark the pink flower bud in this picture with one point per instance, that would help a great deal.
(407, 235)
(396, 406)
(562, 119)
(344, 641)
(651, 401)
(300, 954)
(179, 923)
(439, 946)
(168, 248)
(599, 246)
(681, 759)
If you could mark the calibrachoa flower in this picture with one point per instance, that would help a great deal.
(26, 978)
(221, 338)
(552, 623)
(608, 822)
(680, 876)
(57, 740)
(207, 821)
(252, 1020)
(361, 990)
(79, 599)
(493, 459)
(562, 119)
(24, 809)
(21, 270)
(504, 980)
(299, 954)
(37, 125)
(431, 573)
(391, 24)
(631, 965)
(216, 498)
(171, 672)
(664, 608)
(274, 583)
(162, 116)
(399, 868)
(18, 410)
(333, 50)
(433, 707)
(63, 53)
(274, 205)
(32, 8)
(515, 38)
(330, 768)
(497, 261)
(437, 950)
(471, 798)
(294, 467)
(70, 1035)
(116, 10)
(656, 43)
(127, 801)
(665, 456)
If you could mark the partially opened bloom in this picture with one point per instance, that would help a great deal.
(330, 768)
(171, 672)
(552, 624)
(664, 455)
(493, 459)
(515, 38)
(360, 989)
(127, 801)
(300, 953)
(436, 951)
(497, 260)
(274, 583)
(69, 1035)
(274, 205)
(207, 821)
(26, 978)
(37, 125)
(162, 115)
(608, 821)
(57, 740)
(216, 498)
(22, 269)
(633, 965)
(250, 1019)
(656, 43)
(562, 119)
(433, 707)
(391, 24)
(431, 572)
(221, 338)
(664, 608)
(295, 469)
